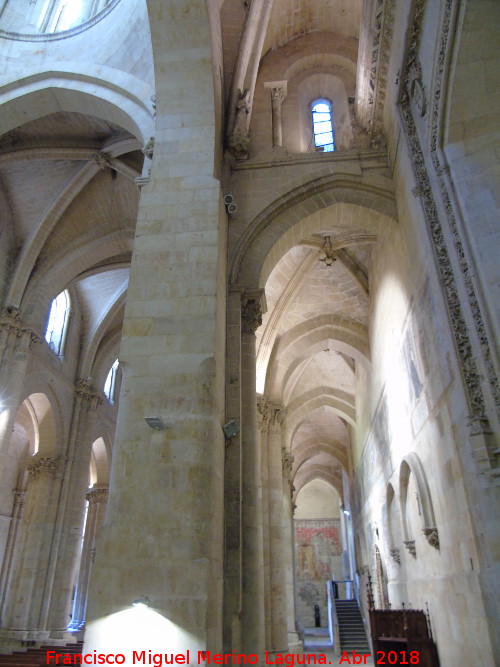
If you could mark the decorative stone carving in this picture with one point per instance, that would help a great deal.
(153, 104)
(287, 460)
(11, 325)
(148, 148)
(102, 160)
(42, 466)
(472, 375)
(377, 61)
(239, 141)
(87, 394)
(263, 411)
(251, 316)
(327, 253)
(410, 546)
(432, 536)
(395, 555)
(97, 495)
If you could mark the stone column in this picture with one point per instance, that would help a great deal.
(15, 343)
(71, 511)
(97, 499)
(278, 94)
(5, 575)
(164, 531)
(253, 614)
(28, 584)
(232, 481)
(279, 630)
(263, 415)
(294, 642)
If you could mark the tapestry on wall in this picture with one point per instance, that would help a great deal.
(318, 543)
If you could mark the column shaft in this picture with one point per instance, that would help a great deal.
(253, 615)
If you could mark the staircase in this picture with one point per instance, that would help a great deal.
(351, 627)
(36, 657)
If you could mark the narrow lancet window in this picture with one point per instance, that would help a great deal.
(110, 384)
(323, 126)
(55, 333)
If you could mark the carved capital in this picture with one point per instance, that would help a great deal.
(43, 466)
(11, 326)
(278, 94)
(251, 316)
(395, 555)
(87, 394)
(432, 536)
(97, 495)
(263, 411)
(410, 547)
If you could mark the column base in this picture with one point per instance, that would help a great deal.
(295, 645)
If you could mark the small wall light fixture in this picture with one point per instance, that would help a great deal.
(230, 429)
(141, 601)
(155, 422)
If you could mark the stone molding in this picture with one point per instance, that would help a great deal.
(478, 421)
(371, 115)
(43, 466)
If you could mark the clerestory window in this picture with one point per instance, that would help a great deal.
(110, 384)
(57, 325)
(323, 125)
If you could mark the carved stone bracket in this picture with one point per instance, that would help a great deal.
(287, 460)
(395, 555)
(42, 466)
(238, 140)
(148, 148)
(432, 536)
(410, 547)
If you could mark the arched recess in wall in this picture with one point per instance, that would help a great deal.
(393, 527)
(416, 504)
(268, 226)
